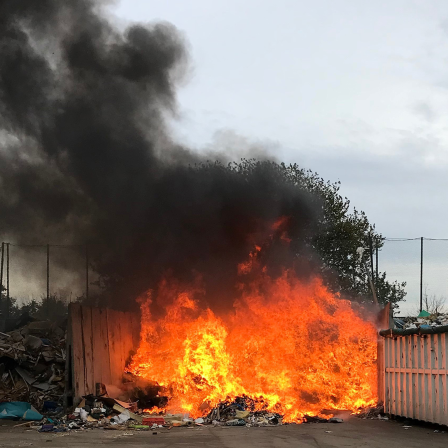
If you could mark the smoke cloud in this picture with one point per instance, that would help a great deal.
(86, 156)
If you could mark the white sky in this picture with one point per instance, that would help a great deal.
(356, 90)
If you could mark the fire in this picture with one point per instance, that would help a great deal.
(289, 344)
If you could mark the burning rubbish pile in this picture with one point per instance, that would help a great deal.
(286, 350)
(290, 346)
(32, 365)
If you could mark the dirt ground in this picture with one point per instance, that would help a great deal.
(351, 433)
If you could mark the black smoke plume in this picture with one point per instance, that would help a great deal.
(86, 155)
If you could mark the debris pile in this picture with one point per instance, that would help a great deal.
(423, 319)
(374, 412)
(243, 411)
(92, 412)
(112, 414)
(318, 419)
(32, 366)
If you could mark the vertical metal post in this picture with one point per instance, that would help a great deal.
(48, 274)
(376, 267)
(7, 280)
(1, 274)
(371, 256)
(421, 273)
(372, 287)
(1, 268)
(369, 269)
(87, 271)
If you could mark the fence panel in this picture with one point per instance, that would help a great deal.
(415, 375)
(99, 343)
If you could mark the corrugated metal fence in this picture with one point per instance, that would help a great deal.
(415, 376)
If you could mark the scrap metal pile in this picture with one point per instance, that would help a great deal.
(32, 365)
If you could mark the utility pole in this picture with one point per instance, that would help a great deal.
(48, 280)
(360, 252)
(48, 273)
(371, 256)
(87, 272)
(376, 259)
(1, 268)
(421, 274)
(7, 281)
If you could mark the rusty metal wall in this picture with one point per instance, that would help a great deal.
(415, 377)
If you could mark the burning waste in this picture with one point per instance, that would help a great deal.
(288, 347)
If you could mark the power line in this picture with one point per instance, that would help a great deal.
(338, 240)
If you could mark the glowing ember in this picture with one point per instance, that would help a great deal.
(295, 345)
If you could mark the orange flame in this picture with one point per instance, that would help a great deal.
(290, 345)
(295, 345)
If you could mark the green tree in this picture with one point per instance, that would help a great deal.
(8, 308)
(32, 307)
(55, 308)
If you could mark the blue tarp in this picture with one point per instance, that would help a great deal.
(19, 409)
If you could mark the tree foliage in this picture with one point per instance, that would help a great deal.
(432, 303)
(54, 308)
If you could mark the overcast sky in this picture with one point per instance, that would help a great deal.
(355, 90)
